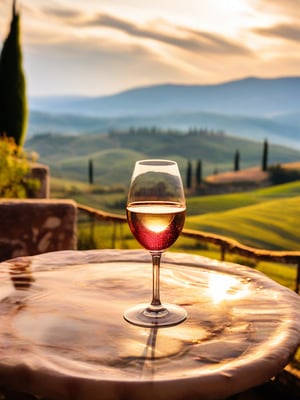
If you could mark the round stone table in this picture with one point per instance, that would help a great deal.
(63, 336)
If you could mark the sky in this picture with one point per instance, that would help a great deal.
(102, 47)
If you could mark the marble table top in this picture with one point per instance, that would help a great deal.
(63, 335)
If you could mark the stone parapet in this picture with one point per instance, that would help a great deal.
(34, 226)
(41, 173)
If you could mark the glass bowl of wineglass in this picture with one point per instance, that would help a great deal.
(156, 214)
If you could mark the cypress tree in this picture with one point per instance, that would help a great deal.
(199, 172)
(264, 166)
(237, 161)
(13, 101)
(189, 175)
(91, 172)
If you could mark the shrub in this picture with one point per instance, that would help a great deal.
(15, 180)
(280, 175)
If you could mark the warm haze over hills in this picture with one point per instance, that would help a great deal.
(246, 97)
(253, 108)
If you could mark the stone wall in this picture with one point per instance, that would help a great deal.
(34, 226)
(41, 173)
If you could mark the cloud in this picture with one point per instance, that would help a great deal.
(65, 23)
(218, 44)
(283, 31)
(72, 69)
(81, 50)
(282, 8)
(283, 16)
(61, 12)
(181, 37)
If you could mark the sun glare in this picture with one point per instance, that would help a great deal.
(225, 287)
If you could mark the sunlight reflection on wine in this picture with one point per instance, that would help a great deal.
(156, 223)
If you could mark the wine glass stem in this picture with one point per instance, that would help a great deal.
(156, 280)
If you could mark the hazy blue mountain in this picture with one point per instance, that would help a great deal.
(252, 108)
(246, 97)
(292, 119)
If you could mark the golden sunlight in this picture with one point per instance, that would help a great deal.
(225, 287)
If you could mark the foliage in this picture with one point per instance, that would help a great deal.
(13, 102)
(280, 175)
(296, 360)
(15, 178)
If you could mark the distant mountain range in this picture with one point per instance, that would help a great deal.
(253, 108)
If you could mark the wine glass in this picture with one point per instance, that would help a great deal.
(155, 214)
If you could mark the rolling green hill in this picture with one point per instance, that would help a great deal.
(265, 218)
(269, 224)
(110, 166)
(114, 154)
(224, 202)
(262, 218)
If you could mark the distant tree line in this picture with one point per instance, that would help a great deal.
(204, 131)
(156, 130)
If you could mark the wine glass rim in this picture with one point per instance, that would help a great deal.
(156, 161)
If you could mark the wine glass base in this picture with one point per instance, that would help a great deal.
(169, 315)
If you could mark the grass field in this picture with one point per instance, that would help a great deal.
(224, 202)
(265, 218)
(101, 197)
(271, 224)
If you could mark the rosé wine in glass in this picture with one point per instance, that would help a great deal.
(156, 214)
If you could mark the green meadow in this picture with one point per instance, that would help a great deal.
(225, 202)
(113, 154)
(266, 218)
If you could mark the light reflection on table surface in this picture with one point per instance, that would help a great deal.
(62, 327)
